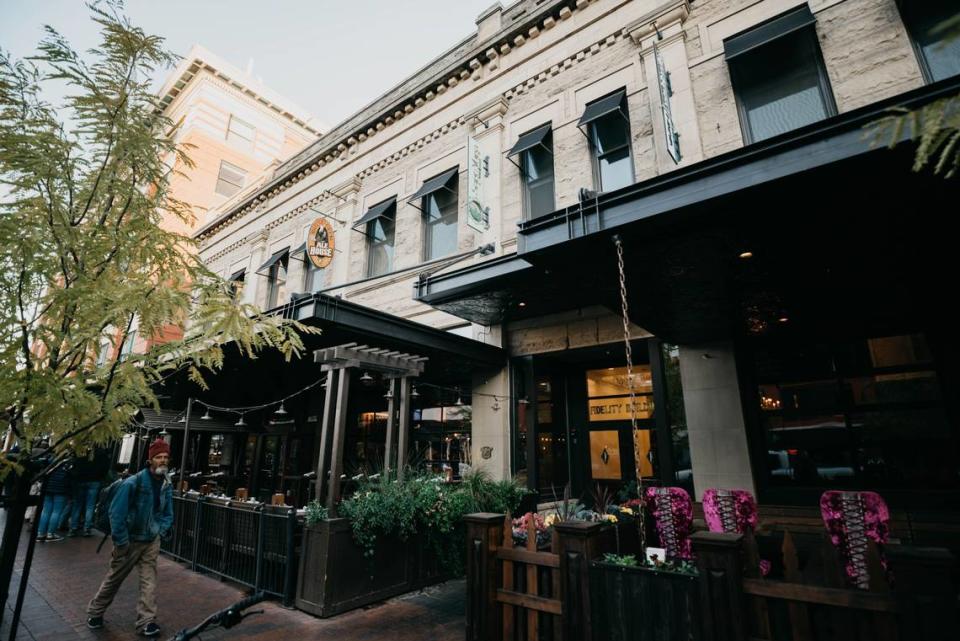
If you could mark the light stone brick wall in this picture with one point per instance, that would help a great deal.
(511, 82)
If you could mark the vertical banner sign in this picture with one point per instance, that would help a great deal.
(663, 79)
(478, 174)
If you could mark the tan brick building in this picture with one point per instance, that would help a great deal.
(723, 140)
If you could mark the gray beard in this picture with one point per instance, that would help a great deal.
(161, 470)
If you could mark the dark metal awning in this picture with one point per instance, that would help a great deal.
(237, 275)
(273, 259)
(530, 140)
(300, 249)
(615, 102)
(386, 208)
(769, 31)
(435, 184)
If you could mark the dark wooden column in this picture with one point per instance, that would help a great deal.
(720, 563)
(484, 536)
(391, 426)
(339, 432)
(403, 441)
(579, 543)
(325, 429)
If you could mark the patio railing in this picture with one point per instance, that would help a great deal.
(249, 543)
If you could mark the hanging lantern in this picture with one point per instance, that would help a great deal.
(366, 379)
(206, 416)
(414, 393)
(389, 394)
(240, 422)
(281, 411)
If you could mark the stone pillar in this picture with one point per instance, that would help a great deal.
(665, 32)
(344, 205)
(490, 431)
(254, 285)
(715, 424)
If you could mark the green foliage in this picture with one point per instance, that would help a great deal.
(84, 261)
(423, 504)
(315, 512)
(624, 560)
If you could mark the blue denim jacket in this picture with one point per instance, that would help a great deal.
(138, 521)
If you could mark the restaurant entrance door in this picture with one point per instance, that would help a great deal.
(577, 431)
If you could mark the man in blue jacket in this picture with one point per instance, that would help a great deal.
(140, 514)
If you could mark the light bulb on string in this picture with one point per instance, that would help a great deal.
(206, 416)
(240, 422)
(281, 411)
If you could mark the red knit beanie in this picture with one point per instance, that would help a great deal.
(159, 446)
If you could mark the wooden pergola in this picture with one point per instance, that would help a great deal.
(398, 368)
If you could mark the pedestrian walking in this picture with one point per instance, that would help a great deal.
(88, 474)
(54, 501)
(140, 514)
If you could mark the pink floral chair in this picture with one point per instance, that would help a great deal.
(734, 512)
(853, 519)
(672, 512)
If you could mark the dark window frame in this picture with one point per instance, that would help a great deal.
(592, 139)
(428, 221)
(373, 243)
(545, 146)
(274, 283)
(906, 10)
(823, 80)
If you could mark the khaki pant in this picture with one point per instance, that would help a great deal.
(144, 557)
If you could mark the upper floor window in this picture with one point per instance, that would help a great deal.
(378, 224)
(438, 202)
(607, 124)
(535, 151)
(314, 278)
(938, 47)
(236, 281)
(275, 270)
(127, 347)
(230, 180)
(778, 76)
(240, 132)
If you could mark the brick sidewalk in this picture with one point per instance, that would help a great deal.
(65, 575)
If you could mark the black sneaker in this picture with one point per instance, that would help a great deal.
(150, 630)
(73, 534)
(42, 538)
(94, 623)
(51, 538)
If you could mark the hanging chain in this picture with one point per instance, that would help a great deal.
(628, 352)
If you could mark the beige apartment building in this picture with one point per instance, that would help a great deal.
(786, 335)
(235, 129)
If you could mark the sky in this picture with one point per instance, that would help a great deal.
(329, 57)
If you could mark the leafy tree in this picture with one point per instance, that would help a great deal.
(84, 261)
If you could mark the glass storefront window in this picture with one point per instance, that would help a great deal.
(864, 414)
(442, 437)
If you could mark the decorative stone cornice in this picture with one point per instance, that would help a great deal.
(492, 109)
(657, 20)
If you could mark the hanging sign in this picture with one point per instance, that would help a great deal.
(663, 79)
(478, 175)
(320, 243)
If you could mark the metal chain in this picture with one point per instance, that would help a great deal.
(628, 352)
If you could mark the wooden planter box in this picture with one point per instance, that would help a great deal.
(335, 576)
(640, 604)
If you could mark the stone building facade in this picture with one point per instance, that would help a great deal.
(534, 63)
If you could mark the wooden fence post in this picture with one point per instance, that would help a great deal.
(720, 564)
(923, 587)
(484, 536)
(578, 543)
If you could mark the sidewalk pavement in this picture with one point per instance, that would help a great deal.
(66, 574)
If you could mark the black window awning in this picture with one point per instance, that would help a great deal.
(301, 249)
(615, 102)
(386, 208)
(278, 256)
(435, 184)
(769, 31)
(237, 275)
(530, 140)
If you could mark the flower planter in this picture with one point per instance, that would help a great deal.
(643, 604)
(335, 576)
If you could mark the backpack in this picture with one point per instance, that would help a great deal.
(101, 513)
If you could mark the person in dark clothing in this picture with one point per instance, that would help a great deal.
(141, 513)
(88, 474)
(58, 489)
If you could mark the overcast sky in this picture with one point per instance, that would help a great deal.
(330, 57)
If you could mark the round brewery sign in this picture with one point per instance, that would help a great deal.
(320, 243)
